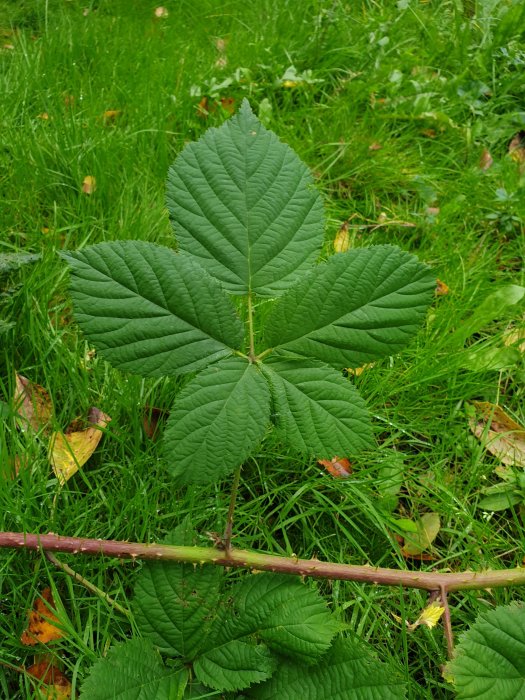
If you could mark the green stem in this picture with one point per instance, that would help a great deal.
(241, 558)
(227, 539)
(87, 584)
(251, 353)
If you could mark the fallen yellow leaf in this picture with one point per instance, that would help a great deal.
(441, 288)
(358, 371)
(40, 629)
(89, 184)
(499, 433)
(69, 451)
(429, 617)
(342, 239)
(32, 403)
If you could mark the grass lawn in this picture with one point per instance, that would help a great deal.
(404, 111)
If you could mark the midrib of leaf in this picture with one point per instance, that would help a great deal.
(166, 311)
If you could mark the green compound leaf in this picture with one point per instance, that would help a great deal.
(133, 670)
(176, 604)
(319, 410)
(234, 665)
(349, 671)
(353, 309)
(149, 310)
(217, 420)
(289, 616)
(489, 659)
(244, 204)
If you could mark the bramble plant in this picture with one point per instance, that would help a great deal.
(248, 223)
(249, 229)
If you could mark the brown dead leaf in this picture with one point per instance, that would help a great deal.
(228, 104)
(152, 419)
(202, 108)
(432, 211)
(375, 146)
(40, 629)
(499, 433)
(517, 148)
(110, 115)
(429, 133)
(52, 683)
(89, 184)
(33, 404)
(485, 160)
(417, 542)
(339, 467)
(342, 239)
(70, 451)
(441, 288)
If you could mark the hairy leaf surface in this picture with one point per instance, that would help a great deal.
(234, 665)
(353, 309)
(348, 671)
(243, 203)
(133, 670)
(319, 410)
(150, 310)
(217, 420)
(289, 616)
(175, 604)
(489, 660)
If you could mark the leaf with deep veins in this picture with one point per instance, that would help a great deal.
(150, 310)
(216, 421)
(355, 308)
(319, 410)
(243, 204)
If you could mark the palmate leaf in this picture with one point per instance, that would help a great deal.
(318, 409)
(176, 604)
(217, 420)
(150, 310)
(133, 670)
(489, 660)
(243, 203)
(348, 671)
(289, 616)
(353, 309)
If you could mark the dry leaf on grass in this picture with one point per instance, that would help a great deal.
(342, 239)
(441, 288)
(33, 404)
(499, 433)
(340, 467)
(40, 629)
(517, 148)
(152, 419)
(89, 184)
(358, 371)
(110, 116)
(52, 683)
(69, 451)
(485, 160)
